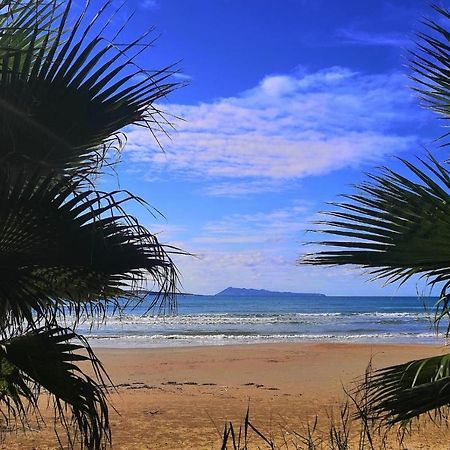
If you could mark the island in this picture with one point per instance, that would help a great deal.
(243, 292)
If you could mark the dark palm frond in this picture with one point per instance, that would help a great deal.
(47, 358)
(65, 100)
(25, 27)
(402, 392)
(394, 227)
(60, 247)
(398, 226)
(431, 64)
(68, 250)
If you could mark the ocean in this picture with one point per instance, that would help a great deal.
(222, 320)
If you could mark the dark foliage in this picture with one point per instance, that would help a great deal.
(397, 226)
(66, 94)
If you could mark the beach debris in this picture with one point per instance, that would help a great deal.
(142, 386)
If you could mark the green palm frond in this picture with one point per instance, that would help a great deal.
(65, 100)
(403, 392)
(25, 27)
(60, 247)
(46, 359)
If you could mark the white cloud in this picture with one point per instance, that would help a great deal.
(277, 226)
(167, 232)
(214, 270)
(268, 268)
(149, 4)
(260, 250)
(286, 128)
(182, 76)
(246, 250)
(359, 37)
(242, 188)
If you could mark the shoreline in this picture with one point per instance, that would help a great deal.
(144, 347)
(181, 397)
(276, 343)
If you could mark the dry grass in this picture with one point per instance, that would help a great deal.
(350, 429)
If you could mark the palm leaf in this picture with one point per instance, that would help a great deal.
(65, 96)
(59, 247)
(25, 25)
(402, 392)
(398, 226)
(64, 101)
(431, 64)
(394, 227)
(46, 358)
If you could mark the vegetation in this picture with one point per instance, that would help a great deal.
(67, 250)
(337, 435)
(350, 426)
(333, 433)
(397, 226)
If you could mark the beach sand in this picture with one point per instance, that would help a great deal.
(180, 398)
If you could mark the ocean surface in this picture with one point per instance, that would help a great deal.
(221, 320)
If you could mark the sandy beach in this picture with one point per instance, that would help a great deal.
(180, 398)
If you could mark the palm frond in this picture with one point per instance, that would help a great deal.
(397, 226)
(65, 101)
(46, 359)
(59, 248)
(66, 248)
(393, 226)
(25, 26)
(431, 64)
(405, 391)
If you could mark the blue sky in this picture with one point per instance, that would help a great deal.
(287, 104)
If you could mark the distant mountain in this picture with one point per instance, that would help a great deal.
(232, 291)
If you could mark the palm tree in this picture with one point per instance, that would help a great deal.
(67, 250)
(397, 226)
